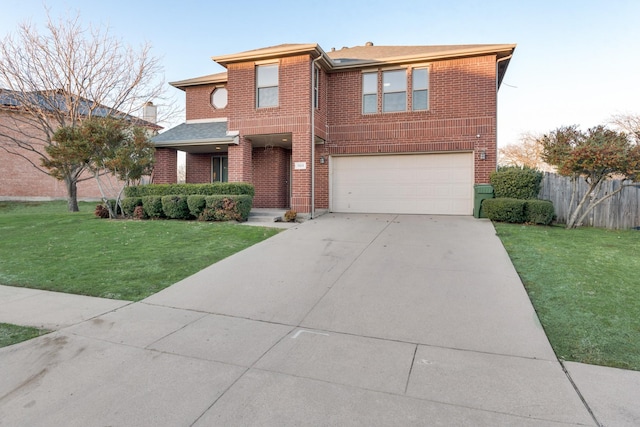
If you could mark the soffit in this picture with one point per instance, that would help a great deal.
(203, 80)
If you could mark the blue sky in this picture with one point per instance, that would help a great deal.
(577, 62)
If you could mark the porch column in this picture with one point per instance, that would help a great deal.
(240, 161)
(165, 170)
(301, 175)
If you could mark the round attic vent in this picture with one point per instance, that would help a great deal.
(368, 44)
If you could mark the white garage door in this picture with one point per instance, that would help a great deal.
(439, 184)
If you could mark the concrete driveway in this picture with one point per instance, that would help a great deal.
(368, 320)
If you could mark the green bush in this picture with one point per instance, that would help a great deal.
(196, 204)
(539, 211)
(175, 207)
(504, 209)
(516, 183)
(152, 206)
(129, 205)
(221, 188)
(226, 208)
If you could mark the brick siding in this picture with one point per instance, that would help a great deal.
(461, 118)
(165, 171)
(21, 180)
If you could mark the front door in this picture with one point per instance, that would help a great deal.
(220, 169)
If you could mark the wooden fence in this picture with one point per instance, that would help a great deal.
(617, 212)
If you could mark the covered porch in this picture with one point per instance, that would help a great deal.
(215, 154)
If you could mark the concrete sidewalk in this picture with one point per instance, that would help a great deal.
(372, 320)
(50, 310)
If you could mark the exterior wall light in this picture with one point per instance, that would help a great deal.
(322, 160)
(483, 155)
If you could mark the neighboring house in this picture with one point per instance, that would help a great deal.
(19, 177)
(396, 129)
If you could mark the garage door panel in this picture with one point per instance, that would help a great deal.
(424, 183)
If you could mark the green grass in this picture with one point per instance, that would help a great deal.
(43, 246)
(585, 286)
(13, 334)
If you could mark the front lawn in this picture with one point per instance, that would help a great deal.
(585, 286)
(43, 246)
(13, 334)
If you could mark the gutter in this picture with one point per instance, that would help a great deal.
(313, 139)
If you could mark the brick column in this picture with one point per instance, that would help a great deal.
(165, 170)
(240, 162)
(301, 178)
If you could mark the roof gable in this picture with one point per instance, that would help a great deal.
(359, 57)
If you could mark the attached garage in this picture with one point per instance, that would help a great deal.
(439, 184)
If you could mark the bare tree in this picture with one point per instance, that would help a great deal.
(629, 123)
(526, 153)
(64, 75)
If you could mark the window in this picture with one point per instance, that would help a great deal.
(267, 85)
(316, 86)
(219, 98)
(394, 91)
(420, 89)
(220, 169)
(370, 93)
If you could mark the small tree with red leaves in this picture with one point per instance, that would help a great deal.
(595, 155)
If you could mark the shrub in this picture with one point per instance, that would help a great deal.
(504, 209)
(196, 204)
(539, 211)
(129, 204)
(516, 183)
(152, 207)
(138, 212)
(101, 211)
(175, 207)
(290, 215)
(226, 208)
(221, 188)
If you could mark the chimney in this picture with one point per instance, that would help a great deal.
(150, 112)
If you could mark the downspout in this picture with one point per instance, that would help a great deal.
(498, 87)
(313, 139)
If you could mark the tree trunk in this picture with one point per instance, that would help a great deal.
(72, 194)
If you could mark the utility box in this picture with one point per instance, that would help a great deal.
(480, 193)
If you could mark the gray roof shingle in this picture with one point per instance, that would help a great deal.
(186, 133)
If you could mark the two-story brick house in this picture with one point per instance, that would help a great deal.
(397, 129)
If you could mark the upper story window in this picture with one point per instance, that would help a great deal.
(370, 92)
(394, 91)
(219, 97)
(420, 95)
(267, 85)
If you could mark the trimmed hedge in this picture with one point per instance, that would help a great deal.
(196, 204)
(223, 207)
(175, 207)
(220, 188)
(504, 209)
(129, 205)
(519, 211)
(539, 211)
(516, 183)
(226, 208)
(152, 207)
